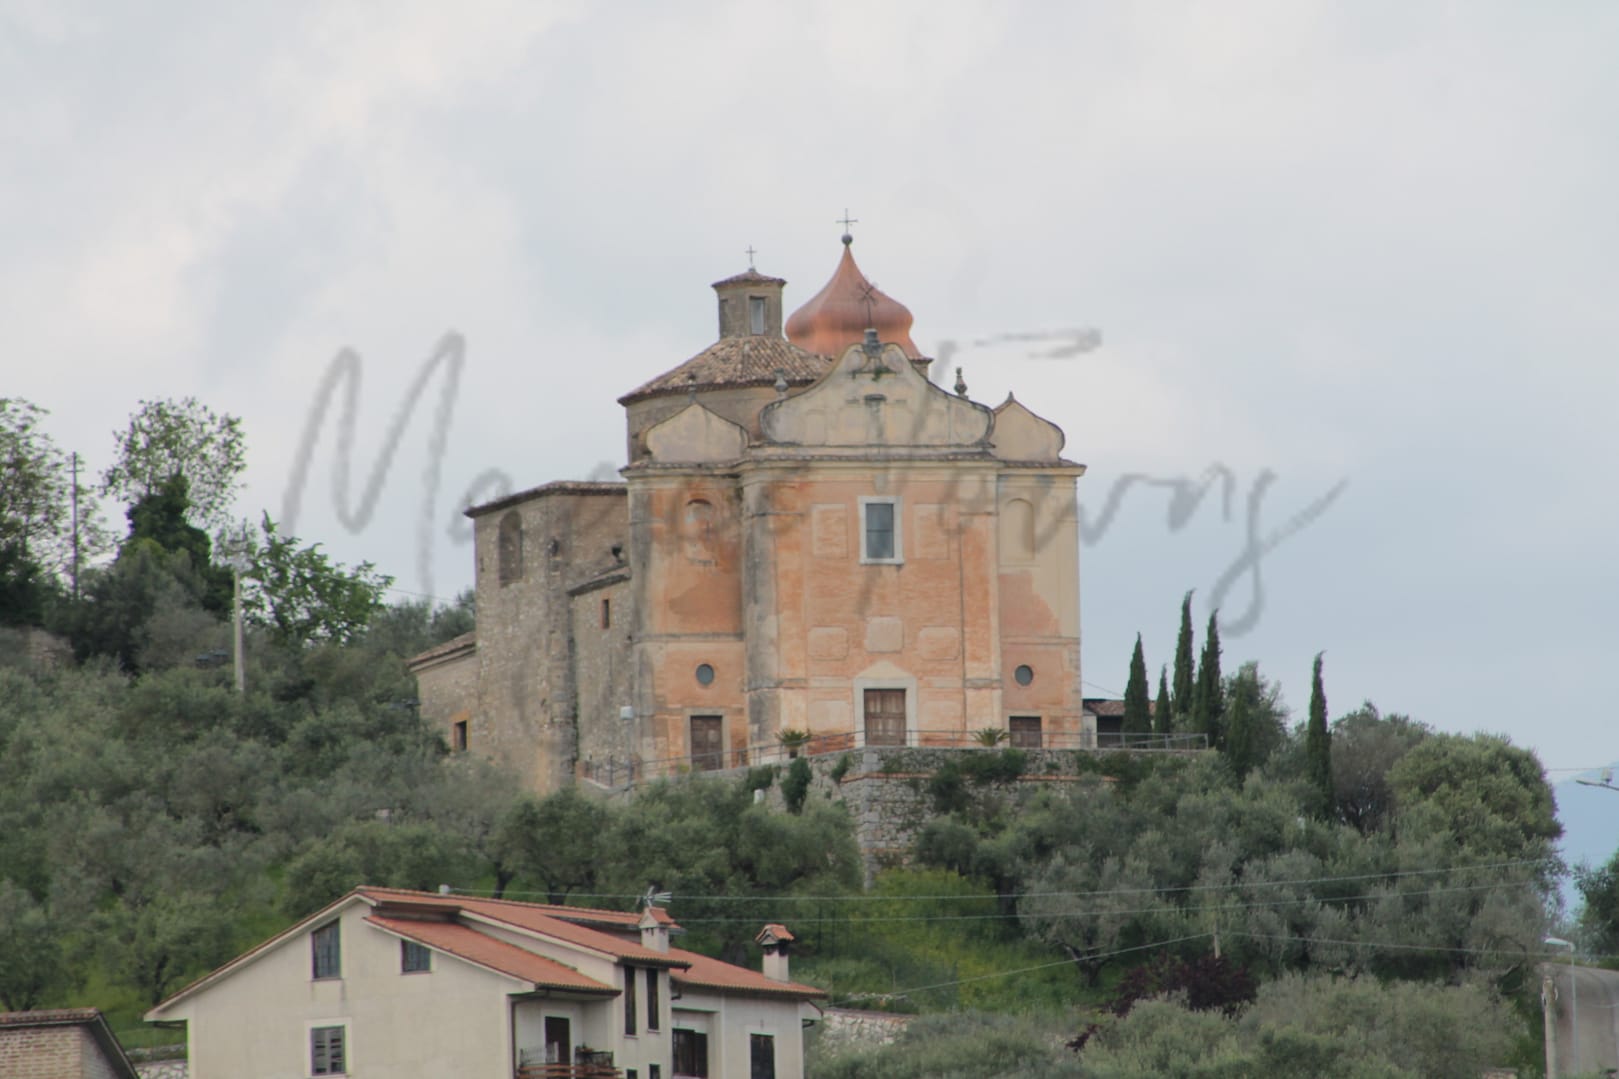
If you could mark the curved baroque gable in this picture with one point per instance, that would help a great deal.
(880, 400)
(695, 435)
(1020, 435)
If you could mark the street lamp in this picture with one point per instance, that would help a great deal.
(1574, 1002)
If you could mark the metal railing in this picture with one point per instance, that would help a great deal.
(617, 772)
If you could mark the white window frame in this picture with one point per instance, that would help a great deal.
(898, 503)
(313, 1025)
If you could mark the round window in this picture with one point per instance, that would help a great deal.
(705, 674)
(1024, 674)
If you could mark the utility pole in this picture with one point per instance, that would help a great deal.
(1573, 1007)
(236, 545)
(73, 460)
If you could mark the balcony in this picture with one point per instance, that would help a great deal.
(568, 1071)
(587, 1064)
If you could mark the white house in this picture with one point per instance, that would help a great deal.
(399, 985)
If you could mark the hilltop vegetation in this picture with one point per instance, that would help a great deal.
(1368, 875)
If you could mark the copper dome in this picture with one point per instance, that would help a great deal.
(839, 315)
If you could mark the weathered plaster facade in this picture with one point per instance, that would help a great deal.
(813, 541)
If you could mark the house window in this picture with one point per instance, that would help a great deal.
(691, 1054)
(629, 1000)
(458, 736)
(511, 547)
(654, 1071)
(880, 539)
(326, 948)
(652, 1000)
(328, 1055)
(885, 717)
(607, 614)
(707, 749)
(1025, 731)
(762, 1056)
(756, 314)
(414, 958)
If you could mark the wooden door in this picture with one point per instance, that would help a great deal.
(558, 1040)
(707, 748)
(885, 717)
(1025, 731)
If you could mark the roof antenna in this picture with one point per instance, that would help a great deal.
(655, 898)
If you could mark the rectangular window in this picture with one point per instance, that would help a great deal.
(756, 314)
(1025, 731)
(762, 1056)
(326, 947)
(652, 1000)
(607, 614)
(885, 717)
(629, 1000)
(691, 1054)
(327, 1053)
(458, 736)
(880, 539)
(414, 958)
(654, 1071)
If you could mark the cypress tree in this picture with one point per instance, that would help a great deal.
(1208, 700)
(1183, 663)
(1137, 714)
(1163, 717)
(1241, 746)
(1318, 744)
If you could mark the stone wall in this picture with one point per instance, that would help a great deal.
(887, 790)
(851, 1026)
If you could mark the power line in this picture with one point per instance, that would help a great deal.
(1044, 966)
(1001, 915)
(1393, 874)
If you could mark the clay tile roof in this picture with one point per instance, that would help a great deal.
(749, 277)
(534, 917)
(555, 487)
(705, 973)
(117, 1061)
(744, 360)
(465, 641)
(838, 315)
(1104, 706)
(475, 947)
(775, 932)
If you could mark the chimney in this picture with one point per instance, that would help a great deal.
(654, 930)
(776, 942)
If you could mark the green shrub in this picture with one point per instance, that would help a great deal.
(796, 786)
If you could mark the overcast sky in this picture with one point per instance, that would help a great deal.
(1359, 244)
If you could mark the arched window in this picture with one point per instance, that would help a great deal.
(1017, 531)
(511, 547)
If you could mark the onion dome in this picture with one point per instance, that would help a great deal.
(839, 315)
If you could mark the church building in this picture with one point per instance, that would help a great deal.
(812, 543)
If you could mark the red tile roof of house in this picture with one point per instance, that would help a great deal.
(550, 921)
(705, 973)
(467, 943)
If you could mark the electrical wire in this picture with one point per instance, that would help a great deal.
(781, 898)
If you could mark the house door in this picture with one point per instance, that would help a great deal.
(885, 717)
(707, 753)
(558, 1043)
